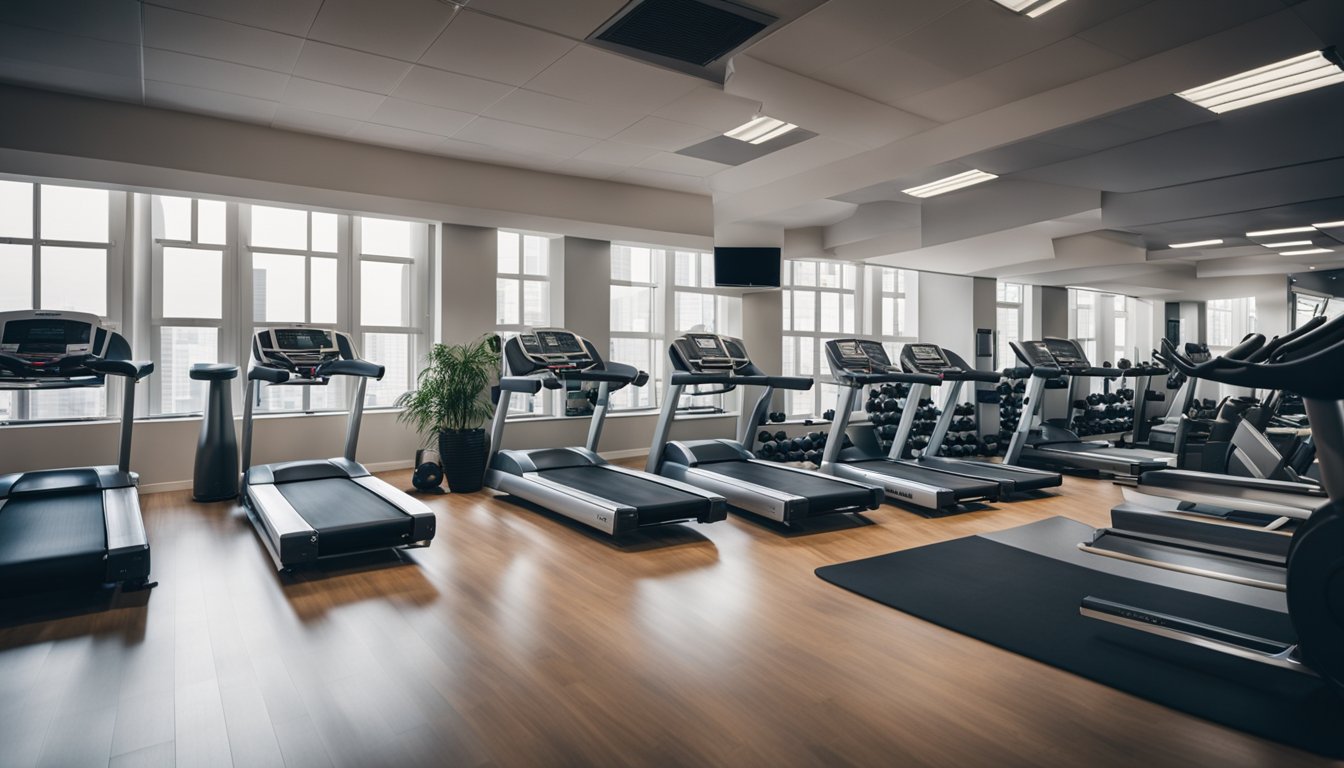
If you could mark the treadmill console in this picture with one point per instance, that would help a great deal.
(554, 349)
(301, 350)
(709, 353)
(1067, 353)
(859, 356)
(50, 346)
(927, 358)
(1034, 353)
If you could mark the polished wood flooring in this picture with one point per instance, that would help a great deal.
(519, 639)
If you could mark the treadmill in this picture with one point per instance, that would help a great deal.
(76, 526)
(951, 368)
(718, 364)
(305, 511)
(577, 482)
(857, 363)
(1050, 444)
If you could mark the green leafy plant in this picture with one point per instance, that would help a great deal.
(452, 392)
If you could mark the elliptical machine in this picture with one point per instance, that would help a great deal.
(1315, 565)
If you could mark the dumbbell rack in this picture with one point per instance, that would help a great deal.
(886, 409)
(1011, 393)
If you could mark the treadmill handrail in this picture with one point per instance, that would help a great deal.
(687, 378)
(1321, 350)
(890, 377)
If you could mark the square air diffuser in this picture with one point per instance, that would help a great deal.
(692, 32)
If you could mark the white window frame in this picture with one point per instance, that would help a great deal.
(115, 247)
(547, 402)
(418, 298)
(228, 322)
(702, 284)
(822, 395)
(1006, 358)
(648, 397)
(1230, 310)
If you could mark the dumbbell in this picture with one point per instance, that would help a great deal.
(813, 456)
(828, 414)
(781, 436)
(764, 436)
(766, 449)
(777, 417)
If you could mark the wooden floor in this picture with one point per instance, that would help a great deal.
(519, 639)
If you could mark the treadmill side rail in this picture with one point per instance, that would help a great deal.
(422, 518)
(603, 514)
(758, 499)
(127, 544)
(288, 537)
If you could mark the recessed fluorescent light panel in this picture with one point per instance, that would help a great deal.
(760, 130)
(1288, 231)
(1196, 244)
(1329, 225)
(960, 181)
(1306, 252)
(1030, 8)
(1273, 81)
(1288, 244)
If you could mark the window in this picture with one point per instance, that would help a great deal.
(362, 275)
(523, 300)
(636, 321)
(699, 305)
(819, 304)
(1120, 328)
(59, 249)
(391, 255)
(190, 259)
(1009, 321)
(1229, 320)
(894, 317)
(1083, 321)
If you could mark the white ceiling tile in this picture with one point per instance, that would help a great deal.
(228, 105)
(293, 17)
(1064, 62)
(523, 138)
(470, 150)
(330, 99)
(295, 119)
(351, 68)
(555, 113)
(648, 177)
(215, 39)
(977, 36)
(615, 153)
(709, 107)
(389, 136)
(659, 133)
(450, 90)
(81, 81)
(571, 18)
(842, 29)
(688, 166)
(494, 49)
(887, 74)
(56, 49)
(596, 76)
(114, 20)
(402, 29)
(413, 115)
(213, 74)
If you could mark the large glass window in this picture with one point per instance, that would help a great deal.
(523, 300)
(1083, 323)
(59, 250)
(820, 303)
(1229, 320)
(390, 311)
(699, 305)
(1009, 321)
(190, 254)
(636, 320)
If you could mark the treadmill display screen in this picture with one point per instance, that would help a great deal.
(706, 342)
(1066, 353)
(554, 342)
(43, 336)
(302, 339)
(928, 357)
(1038, 353)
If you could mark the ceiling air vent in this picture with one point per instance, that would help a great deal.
(689, 32)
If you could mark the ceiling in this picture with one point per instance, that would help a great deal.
(1073, 110)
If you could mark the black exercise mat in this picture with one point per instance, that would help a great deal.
(1028, 603)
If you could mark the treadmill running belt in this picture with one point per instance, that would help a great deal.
(347, 516)
(53, 538)
(963, 487)
(823, 492)
(1028, 603)
(655, 502)
(1022, 481)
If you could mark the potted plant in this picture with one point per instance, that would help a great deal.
(450, 405)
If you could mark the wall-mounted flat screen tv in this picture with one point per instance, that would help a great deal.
(746, 267)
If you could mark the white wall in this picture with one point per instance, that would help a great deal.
(947, 314)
